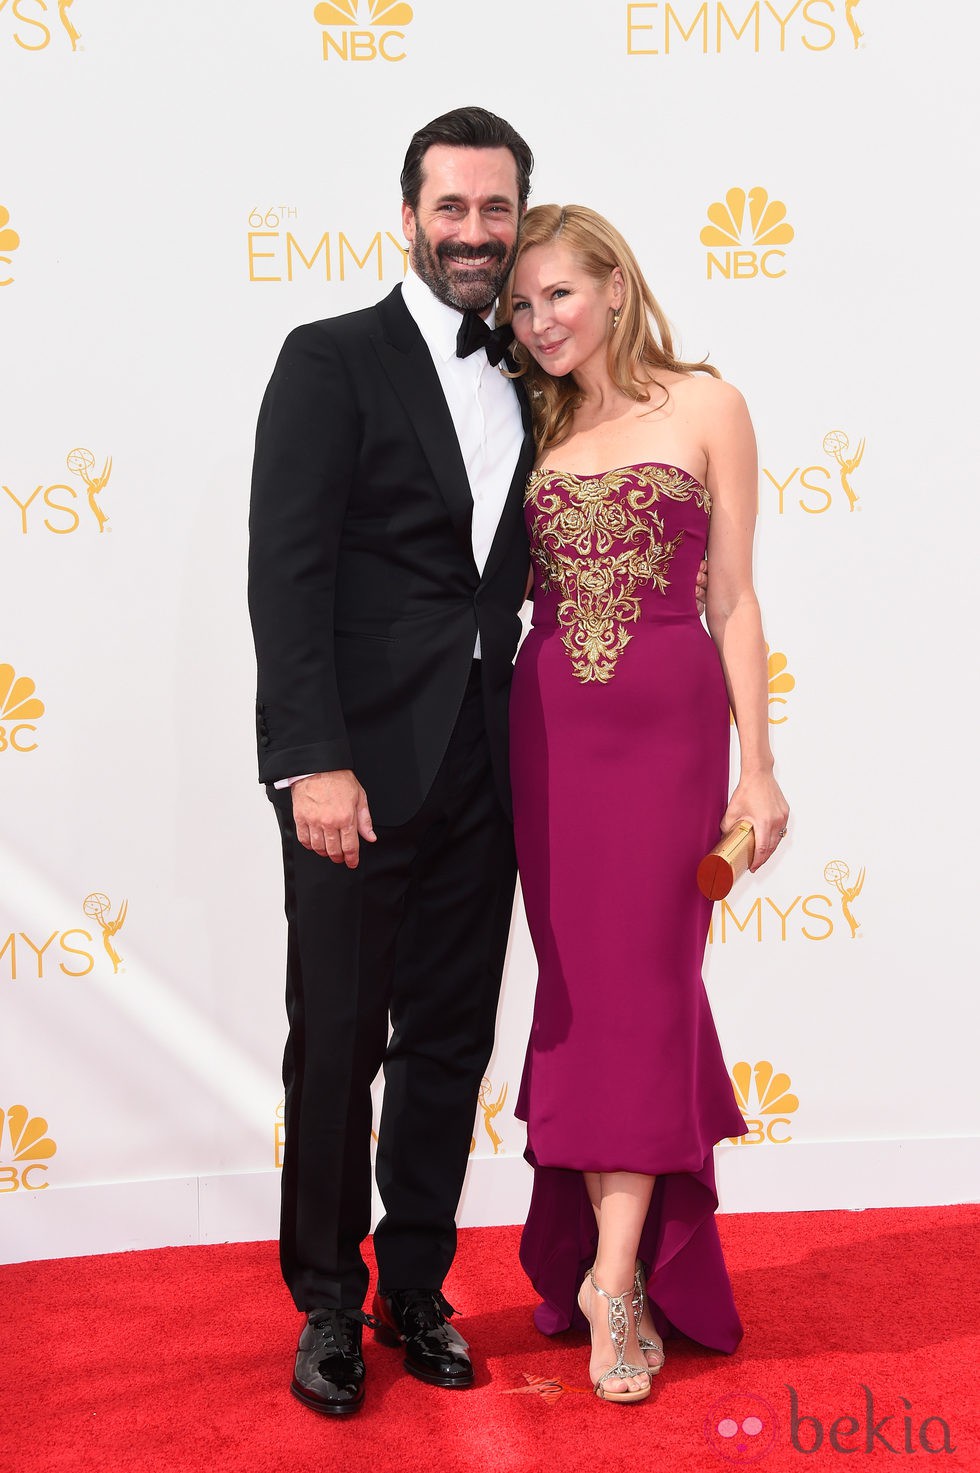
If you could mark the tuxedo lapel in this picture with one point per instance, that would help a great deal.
(512, 516)
(408, 364)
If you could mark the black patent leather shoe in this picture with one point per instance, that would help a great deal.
(418, 1319)
(329, 1374)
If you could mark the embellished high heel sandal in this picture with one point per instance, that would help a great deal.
(648, 1347)
(619, 1327)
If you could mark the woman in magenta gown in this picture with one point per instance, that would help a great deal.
(620, 755)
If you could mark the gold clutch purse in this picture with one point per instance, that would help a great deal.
(730, 857)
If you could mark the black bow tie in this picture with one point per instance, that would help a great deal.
(474, 334)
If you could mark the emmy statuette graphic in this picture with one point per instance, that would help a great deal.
(96, 907)
(81, 463)
(835, 444)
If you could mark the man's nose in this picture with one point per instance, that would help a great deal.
(472, 230)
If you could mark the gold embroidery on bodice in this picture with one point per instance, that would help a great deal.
(597, 548)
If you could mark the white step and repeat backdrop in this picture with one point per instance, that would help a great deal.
(180, 185)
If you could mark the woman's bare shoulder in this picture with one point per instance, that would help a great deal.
(714, 394)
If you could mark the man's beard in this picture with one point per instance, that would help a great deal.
(477, 290)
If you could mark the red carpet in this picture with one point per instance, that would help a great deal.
(177, 1361)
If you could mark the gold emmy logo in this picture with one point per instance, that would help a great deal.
(20, 942)
(750, 245)
(279, 1134)
(344, 33)
(96, 906)
(849, 16)
(836, 445)
(276, 254)
(491, 1109)
(37, 36)
(9, 241)
(20, 1164)
(660, 29)
(19, 709)
(58, 499)
(812, 916)
(63, 8)
(81, 462)
(814, 480)
(837, 873)
(770, 1099)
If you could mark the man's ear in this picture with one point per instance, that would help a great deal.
(408, 222)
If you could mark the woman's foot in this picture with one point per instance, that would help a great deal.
(651, 1345)
(616, 1366)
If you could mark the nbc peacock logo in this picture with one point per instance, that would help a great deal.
(766, 1103)
(363, 30)
(780, 683)
(9, 242)
(749, 229)
(20, 708)
(24, 1146)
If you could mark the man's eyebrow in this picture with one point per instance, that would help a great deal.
(461, 199)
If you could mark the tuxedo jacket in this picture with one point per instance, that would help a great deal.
(363, 592)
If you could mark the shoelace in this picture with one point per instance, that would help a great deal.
(424, 1310)
(333, 1325)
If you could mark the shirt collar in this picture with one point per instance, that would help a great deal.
(437, 323)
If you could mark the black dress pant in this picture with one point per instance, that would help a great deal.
(417, 932)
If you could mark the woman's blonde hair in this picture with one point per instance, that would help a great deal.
(636, 352)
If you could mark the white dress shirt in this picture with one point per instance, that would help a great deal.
(485, 413)
(484, 409)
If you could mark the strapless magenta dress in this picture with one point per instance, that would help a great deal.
(619, 753)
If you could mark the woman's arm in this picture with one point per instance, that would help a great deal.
(733, 616)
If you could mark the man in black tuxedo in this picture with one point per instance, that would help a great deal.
(387, 565)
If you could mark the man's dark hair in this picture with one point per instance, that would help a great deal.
(465, 127)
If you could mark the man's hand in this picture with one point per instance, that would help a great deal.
(330, 810)
(701, 587)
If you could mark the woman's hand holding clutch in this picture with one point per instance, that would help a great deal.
(759, 799)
